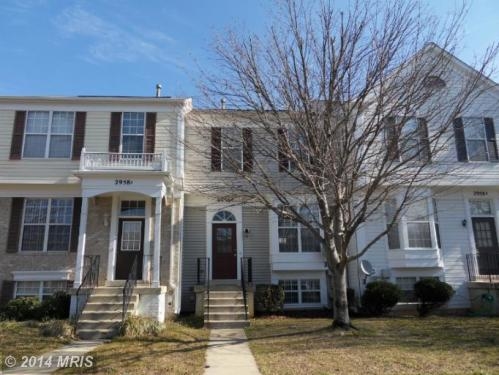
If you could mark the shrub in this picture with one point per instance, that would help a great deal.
(56, 306)
(269, 298)
(24, 308)
(431, 294)
(379, 297)
(56, 328)
(137, 326)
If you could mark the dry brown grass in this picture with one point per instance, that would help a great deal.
(178, 349)
(434, 345)
(19, 339)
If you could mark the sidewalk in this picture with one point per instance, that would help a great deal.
(228, 354)
(71, 355)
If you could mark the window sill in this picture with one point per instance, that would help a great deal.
(31, 252)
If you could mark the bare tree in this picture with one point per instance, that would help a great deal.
(332, 113)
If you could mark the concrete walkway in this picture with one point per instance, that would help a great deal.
(228, 354)
(72, 355)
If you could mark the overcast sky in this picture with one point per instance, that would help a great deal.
(118, 47)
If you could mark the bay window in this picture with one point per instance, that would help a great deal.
(46, 224)
(296, 237)
(48, 134)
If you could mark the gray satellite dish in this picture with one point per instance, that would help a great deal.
(367, 269)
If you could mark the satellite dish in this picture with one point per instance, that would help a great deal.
(367, 269)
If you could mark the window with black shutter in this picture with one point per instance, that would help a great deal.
(475, 139)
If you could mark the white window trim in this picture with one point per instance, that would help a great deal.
(304, 275)
(47, 225)
(49, 136)
(41, 288)
(299, 227)
(403, 230)
(143, 133)
(237, 211)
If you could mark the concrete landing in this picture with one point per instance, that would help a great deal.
(228, 354)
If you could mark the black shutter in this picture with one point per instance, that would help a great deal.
(79, 134)
(491, 138)
(150, 132)
(75, 225)
(16, 145)
(115, 132)
(281, 154)
(7, 291)
(424, 140)
(16, 216)
(462, 154)
(392, 138)
(247, 150)
(216, 149)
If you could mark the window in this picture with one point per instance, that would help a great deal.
(47, 224)
(133, 208)
(231, 150)
(39, 289)
(418, 225)
(48, 134)
(133, 132)
(295, 237)
(436, 222)
(407, 139)
(475, 139)
(305, 291)
(224, 216)
(413, 230)
(480, 207)
(406, 284)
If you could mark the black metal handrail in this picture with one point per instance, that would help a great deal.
(89, 281)
(483, 267)
(203, 278)
(130, 284)
(246, 261)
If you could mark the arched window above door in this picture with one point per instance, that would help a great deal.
(224, 216)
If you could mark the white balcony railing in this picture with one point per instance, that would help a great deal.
(97, 161)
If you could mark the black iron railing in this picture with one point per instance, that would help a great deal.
(246, 277)
(89, 281)
(203, 278)
(130, 284)
(483, 267)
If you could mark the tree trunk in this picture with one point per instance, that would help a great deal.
(341, 315)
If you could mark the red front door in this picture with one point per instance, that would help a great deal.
(224, 248)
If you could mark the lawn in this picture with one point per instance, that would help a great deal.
(19, 339)
(179, 349)
(434, 345)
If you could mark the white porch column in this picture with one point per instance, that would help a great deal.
(157, 244)
(82, 236)
(113, 238)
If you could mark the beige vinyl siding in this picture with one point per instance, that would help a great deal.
(194, 247)
(166, 137)
(97, 131)
(256, 243)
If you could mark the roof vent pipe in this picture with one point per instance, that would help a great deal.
(158, 90)
(222, 103)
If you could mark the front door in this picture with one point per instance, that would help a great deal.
(130, 245)
(224, 251)
(484, 230)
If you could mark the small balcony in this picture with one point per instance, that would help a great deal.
(483, 267)
(108, 161)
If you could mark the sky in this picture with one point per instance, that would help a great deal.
(125, 47)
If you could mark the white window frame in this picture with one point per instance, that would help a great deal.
(122, 133)
(300, 291)
(49, 137)
(403, 231)
(224, 147)
(485, 140)
(298, 226)
(47, 225)
(41, 288)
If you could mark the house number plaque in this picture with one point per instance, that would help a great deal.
(123, 182)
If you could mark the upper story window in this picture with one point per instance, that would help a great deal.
(231, 149)
(416, 229)
(133, 132)
(48, 134)
(47, 224)
(296, 237)
(475, 139)
(407, 139)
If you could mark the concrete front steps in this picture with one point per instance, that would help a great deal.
(226, 307)
(102, 314)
